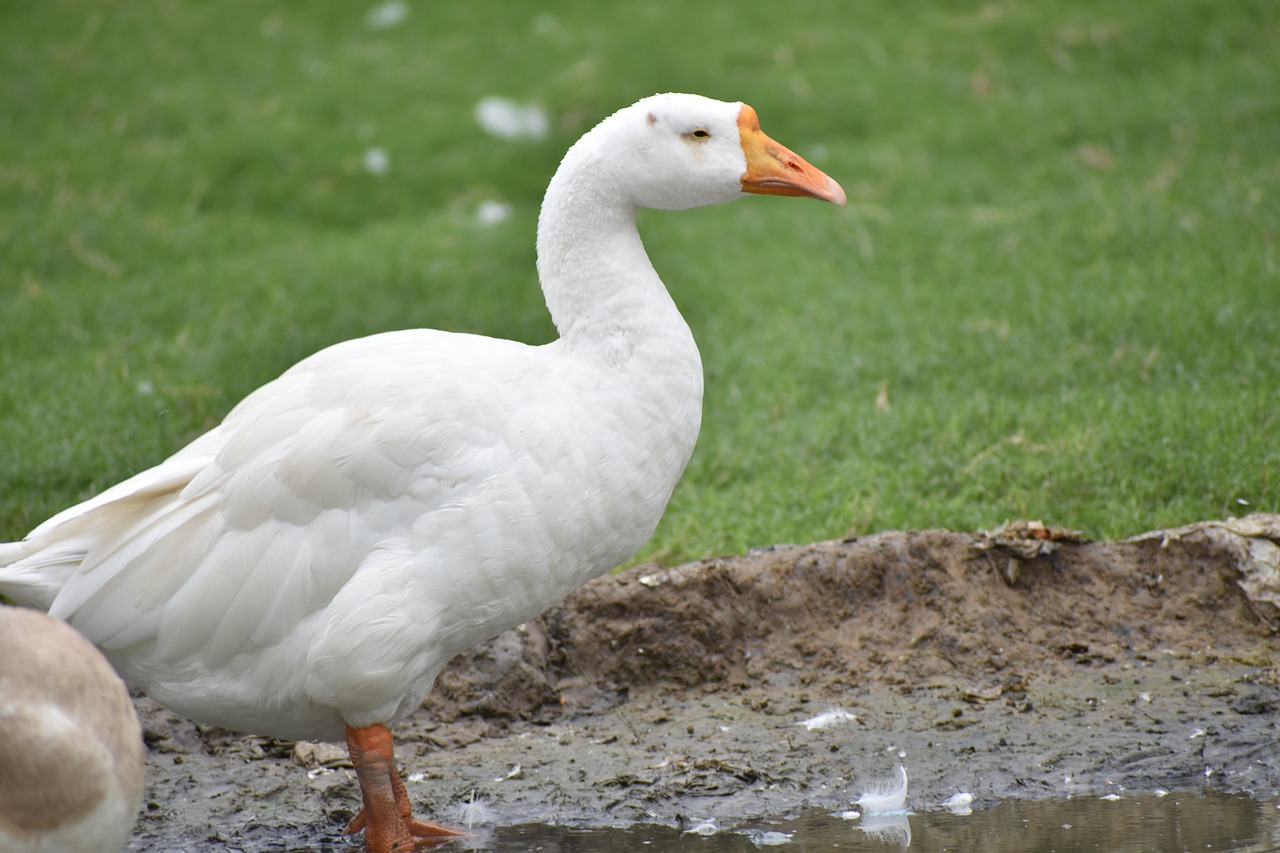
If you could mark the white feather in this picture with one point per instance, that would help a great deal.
(475, 813)
(888, 798)
(828, 718)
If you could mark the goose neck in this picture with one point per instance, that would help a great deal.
(596, 276)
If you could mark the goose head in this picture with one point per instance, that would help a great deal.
(676, 151)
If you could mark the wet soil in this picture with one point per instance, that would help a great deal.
(1010, 664)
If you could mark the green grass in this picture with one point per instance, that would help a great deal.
(1057, 271)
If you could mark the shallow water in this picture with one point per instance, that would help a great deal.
(1138, 824)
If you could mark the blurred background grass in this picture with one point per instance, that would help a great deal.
(1053, 294)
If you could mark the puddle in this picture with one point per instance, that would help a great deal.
(1138, 824)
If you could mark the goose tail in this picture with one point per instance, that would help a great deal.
(28, 579)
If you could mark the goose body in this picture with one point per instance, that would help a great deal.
(306, 568)
(337, 557)
(71, 754)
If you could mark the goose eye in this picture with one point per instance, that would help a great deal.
(700, 133)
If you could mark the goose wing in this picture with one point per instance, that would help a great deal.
(234, 539)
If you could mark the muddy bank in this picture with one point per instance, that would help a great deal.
(1020, 663)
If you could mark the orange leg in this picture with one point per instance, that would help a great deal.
(387, 817)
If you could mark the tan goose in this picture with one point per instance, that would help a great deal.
(71, 754)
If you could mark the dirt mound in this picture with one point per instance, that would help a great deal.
(894, 609)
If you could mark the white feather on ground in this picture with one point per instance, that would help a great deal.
(828, 718)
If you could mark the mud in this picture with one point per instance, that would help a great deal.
(1018, 663)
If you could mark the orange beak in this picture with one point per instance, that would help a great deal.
(775, 170)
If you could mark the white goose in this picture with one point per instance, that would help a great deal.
(71, 755)
(306, 568)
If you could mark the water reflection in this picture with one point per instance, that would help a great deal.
(1138, 824)
(894, 829)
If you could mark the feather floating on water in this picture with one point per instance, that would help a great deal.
(886, 799)
(706, 827)
(474, 813)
